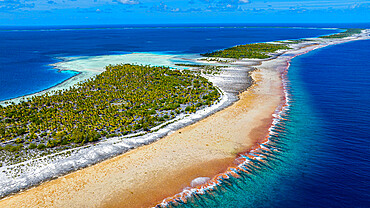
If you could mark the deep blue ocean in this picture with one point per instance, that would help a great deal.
(334, 83)
(324, 143)
(26, 52)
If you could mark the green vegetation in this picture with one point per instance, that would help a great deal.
(254, 50)
(294, 41)
(191, 65)
(216, 60)
(347, 33)
(12, 148)
(205, 69)
(124, 99)
(211, 69)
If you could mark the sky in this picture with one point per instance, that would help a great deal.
(107, 12)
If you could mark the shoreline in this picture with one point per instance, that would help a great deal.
(217, 156)
(83, 74)
(41, 169)
(85, 70)
(80, 76)
(246, 162)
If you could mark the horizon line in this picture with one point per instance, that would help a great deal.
(190, 23)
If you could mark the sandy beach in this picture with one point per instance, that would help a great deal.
(173, 162)
(151, 173)
(145, 176)
(81, 76)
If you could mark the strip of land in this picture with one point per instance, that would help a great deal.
(151, 173)
(145, 176)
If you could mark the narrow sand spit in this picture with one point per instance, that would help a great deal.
(151, 173)
(147, 175)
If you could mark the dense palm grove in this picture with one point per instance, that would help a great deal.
(254, 50)
(347, 33)
(123, 99)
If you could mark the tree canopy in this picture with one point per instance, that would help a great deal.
(123, 99)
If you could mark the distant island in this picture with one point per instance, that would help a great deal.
(122, 100)
(126, 101)
(254, 50)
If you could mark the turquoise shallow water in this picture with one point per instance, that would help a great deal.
(323, 158)
(25, 53)
(323, 142)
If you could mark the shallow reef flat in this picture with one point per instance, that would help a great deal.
(148, 174)
(43, 155)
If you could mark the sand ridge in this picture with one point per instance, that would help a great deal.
(147, 175)
(150, 173)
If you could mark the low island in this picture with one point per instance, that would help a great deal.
(122, 100)
(132, 100)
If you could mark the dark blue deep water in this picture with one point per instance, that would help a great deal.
(324, 158)
(325, 144)
(337, 82)
(26, 52)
